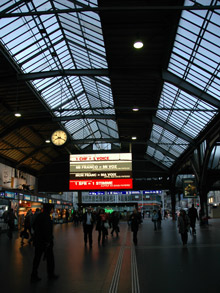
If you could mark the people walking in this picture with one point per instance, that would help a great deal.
(43, 242)
(88, 222)
(193, 216)
(155, 219)
(135, 221)
(183, 225)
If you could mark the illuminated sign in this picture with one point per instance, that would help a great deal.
(100, 171)
(40, 199)
(1, 194)
(152, 191)
(9, 194)
(27, 197)
(100, 184)
(97, 193)
(100, 175)
(189, 187)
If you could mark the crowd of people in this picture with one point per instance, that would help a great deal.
(38, 229)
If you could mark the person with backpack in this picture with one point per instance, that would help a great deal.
(184, 226)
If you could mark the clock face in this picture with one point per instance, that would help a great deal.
(59, 137)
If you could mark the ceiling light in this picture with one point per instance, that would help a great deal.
(17, 114)
(135, 109)
(134, 137)
(138, 44)
(47, 141)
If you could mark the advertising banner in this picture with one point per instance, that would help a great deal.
(189, 187)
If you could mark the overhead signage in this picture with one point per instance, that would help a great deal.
(152, 191)
(100, 167)
(97, 193)
(101, 157)
(100, 184)
(101, 175)
(100, 171)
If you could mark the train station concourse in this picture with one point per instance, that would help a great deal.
(111, 104)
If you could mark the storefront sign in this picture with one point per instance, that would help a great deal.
(9, 194)
(27, 197)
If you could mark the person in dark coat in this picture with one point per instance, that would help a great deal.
(115, 223)
(183, 225)
(159, 219)
(135, 221)
(10, 219)
(193, 215)
(43, 242)
(88, 222)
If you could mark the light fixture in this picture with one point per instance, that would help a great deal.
(47, 141)
(135, 109)
(134, 137)
(17, 114)
(138, 44)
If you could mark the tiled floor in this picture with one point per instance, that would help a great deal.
(157, 264)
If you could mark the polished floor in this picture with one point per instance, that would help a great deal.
(159, 263)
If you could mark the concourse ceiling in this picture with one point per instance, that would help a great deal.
(71, 65)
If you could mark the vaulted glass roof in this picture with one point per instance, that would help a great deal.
(195, 59)
(43, 43)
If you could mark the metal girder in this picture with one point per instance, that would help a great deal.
(66, 72)
(5, 14)
(189, 88)
(170, 128)
(163, 151)
(87, 116)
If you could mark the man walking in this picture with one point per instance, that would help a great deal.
(193, 215)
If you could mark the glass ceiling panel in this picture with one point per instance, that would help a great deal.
(59, 42)
(195, 58)
(158, 156)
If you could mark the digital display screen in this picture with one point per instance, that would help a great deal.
(101, 171)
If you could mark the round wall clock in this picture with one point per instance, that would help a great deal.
(59, 137)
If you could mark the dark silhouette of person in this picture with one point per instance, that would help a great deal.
(43, 242)
(115, 223)
(10, 219)
(159, 219)
(193, 215)
(135, 221)
(183, 225)
(88, 222)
